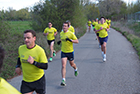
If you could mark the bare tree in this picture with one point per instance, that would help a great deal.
(109, 7)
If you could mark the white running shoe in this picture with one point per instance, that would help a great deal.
(104, 59)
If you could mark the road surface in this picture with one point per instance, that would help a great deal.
(120, 74)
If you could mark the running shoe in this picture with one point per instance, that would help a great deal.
(63, 83)
(76, 72)
(50, 59)
(104, 58)
(54, 53)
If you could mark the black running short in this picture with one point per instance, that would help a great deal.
(70, 56)
(50, 41)
(97, 34)
(39, 86)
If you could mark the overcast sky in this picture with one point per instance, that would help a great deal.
(19, 4)
(16, 4)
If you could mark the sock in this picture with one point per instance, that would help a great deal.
(102, 53)
(76, 69)
(64, 79)
(105, 55)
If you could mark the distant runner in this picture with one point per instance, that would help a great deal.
(97, 27)
(89, 25)
(71, 28)
(103, 36)
(50, 32)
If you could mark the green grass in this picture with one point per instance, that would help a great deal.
(19, 26)
(136, 27)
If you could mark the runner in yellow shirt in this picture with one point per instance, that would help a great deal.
(93, 24)
(71, 28)
(33, 60)
(103, 36)
(96, 21)
(109, 22)
(97, 27)
(5, 87)
(89, 25)
(50, 32)
(67, 51)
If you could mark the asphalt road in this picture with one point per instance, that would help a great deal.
(120, 74)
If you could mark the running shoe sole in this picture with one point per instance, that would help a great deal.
(63, 84)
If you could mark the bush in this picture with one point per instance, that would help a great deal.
(4, 30)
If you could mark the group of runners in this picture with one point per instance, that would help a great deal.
(32, 60)
(101, 27)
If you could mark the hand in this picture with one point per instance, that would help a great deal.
(45, 34)
(101, 28)
(30, 60)
(59, 42)
(67, 39)
(55, 34)
(18, 71)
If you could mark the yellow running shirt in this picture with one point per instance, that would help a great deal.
(97, 27)
(71, 28)
(103, 33)
(6, 88)
(89, 23)
(30, 72)
(109, 22)
(67, 46)
(95, 23)
(51, 32)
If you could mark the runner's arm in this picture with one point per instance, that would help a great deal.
(55, 33)
(107, 29)
(18, 63)
(41, 65)
(18, 70)
(99, 30)
(45, 34)
(75, 41)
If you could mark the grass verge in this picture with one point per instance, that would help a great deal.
(135, 40)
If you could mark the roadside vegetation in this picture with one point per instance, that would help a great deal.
(131, 31)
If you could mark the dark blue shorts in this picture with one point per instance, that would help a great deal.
(70, 56)
(102, 40)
